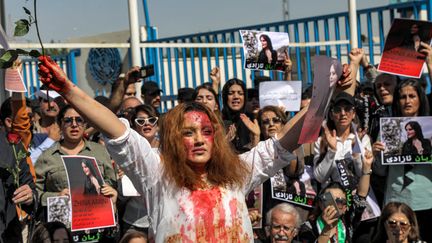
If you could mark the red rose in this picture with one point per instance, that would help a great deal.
(13, 138)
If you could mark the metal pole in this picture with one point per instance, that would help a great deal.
(147, 21)
(3, 24)
(353, 23)
(134, 32)
(429, 9)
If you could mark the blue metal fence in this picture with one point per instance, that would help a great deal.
(189, 67)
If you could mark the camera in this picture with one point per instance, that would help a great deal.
(144, 72)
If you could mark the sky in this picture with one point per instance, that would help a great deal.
(60, 20)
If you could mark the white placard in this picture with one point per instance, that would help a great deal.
(281, 93)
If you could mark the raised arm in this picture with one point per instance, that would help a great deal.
(216, 79)
(288, 69)
(99, 116)
(290, 133)
(363, 186)
(348, 81)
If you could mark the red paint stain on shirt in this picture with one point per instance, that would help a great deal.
(208, 219)
(208, 213)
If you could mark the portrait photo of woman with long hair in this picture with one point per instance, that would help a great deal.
(416, 144)
(93, 180)
(267, 55)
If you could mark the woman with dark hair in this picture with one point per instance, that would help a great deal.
(51, 232)
(144, 120)
(267, 55)
(51, 179)
(197, 184)
(206, 95)
(410, 99)
(334, 149)
(414, 37)
(397, 224)
(244, 133)
(410, 184)
(416, 144)
(93, 183)
(58, 232)
(331, 222)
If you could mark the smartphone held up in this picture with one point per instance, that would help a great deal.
(144, 72)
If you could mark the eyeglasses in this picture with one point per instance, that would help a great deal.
(285, 228)
(68, 121)
(140, 121)
(274, 120)
(402, 224)
(338, 109)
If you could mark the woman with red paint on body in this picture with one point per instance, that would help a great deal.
(195, 188)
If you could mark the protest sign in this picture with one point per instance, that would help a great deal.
(264, 50)
(298, 191)
(254, 202)
(407, 140)
(281, 93)
(14, 81)
(403, 54)
(327, 72)
(90, 209)
(59, 209)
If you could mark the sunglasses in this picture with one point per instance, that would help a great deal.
(402, 224)
(68, 121)
(274, 120)
(140, 121)
(346, 109)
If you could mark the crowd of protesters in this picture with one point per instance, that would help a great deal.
(196, 166)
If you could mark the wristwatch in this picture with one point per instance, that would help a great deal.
(367, 173)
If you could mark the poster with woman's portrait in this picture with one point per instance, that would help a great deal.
(403, 53)
(327, 72)
(297, 190)
(407, 140)
(264, 50)
(90, 209)
(254, 202)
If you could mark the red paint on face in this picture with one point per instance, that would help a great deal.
(198, 136)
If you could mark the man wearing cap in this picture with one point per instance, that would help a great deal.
(49, 110)
(150, 94)
(46, 130)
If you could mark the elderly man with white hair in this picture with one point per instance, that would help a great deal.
(284, 222)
